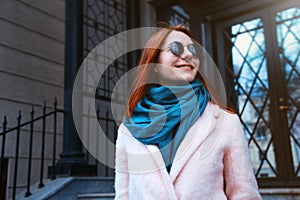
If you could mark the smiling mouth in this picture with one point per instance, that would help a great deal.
(185, 67)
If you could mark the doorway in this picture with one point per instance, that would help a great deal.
(260, 58)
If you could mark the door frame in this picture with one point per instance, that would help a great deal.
(280, 131)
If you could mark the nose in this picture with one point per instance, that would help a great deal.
(186, 54)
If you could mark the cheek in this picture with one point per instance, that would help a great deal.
(167, 59)
(162, 70)
(160, 59)
(197, 62)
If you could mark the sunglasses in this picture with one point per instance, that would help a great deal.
(177, 48)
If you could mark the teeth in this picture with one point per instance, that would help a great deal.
(184, 67)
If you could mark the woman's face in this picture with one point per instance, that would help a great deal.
(176, 69)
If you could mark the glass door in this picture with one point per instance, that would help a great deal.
(261, 65)
(288, 37)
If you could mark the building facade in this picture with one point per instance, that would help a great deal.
(255, 45)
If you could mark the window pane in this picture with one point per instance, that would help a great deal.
(288, 36)
(249, 72)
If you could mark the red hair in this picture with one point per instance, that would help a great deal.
(150, 55)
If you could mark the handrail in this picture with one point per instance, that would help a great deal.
(45, 115)
(27, 123)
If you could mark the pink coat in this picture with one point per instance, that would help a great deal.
(211, 163)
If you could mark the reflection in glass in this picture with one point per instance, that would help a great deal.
(251, 85)
(288, 37)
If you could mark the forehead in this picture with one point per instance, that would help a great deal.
(178, 36)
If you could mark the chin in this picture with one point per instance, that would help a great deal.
(189, 79)
(184, 81)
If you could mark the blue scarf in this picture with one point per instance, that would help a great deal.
(165, 114)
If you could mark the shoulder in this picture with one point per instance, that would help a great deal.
(229, 122)
(220, 112)
(123, 135)
(218, 119)
(122, 128)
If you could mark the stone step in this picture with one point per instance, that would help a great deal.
(280, 193)
(70, 188)
(95, 196)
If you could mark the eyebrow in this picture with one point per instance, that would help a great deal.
(168, 46)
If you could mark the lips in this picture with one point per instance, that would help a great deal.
(185, 67)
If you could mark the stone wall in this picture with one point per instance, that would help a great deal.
(32, 37)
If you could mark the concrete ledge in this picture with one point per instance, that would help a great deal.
(94, 196)
(68, 188)
(85, 185)
(50, 188)
(279, 191)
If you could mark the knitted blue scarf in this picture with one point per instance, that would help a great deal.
(165, 114)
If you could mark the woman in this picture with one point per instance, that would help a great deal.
(177, 140)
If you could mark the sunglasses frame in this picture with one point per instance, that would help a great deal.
(177, 48)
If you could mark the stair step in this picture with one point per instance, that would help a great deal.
(95, 196)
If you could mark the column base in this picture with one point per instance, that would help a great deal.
(67, 170)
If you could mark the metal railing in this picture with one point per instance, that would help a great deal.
(28, 142)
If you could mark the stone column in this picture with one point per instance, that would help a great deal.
(72, 160)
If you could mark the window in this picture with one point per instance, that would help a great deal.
(261, 59)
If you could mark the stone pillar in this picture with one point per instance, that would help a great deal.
(72, 160)
(147, 15)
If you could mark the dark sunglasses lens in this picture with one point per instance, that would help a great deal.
(192, 49)
(176, 48)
